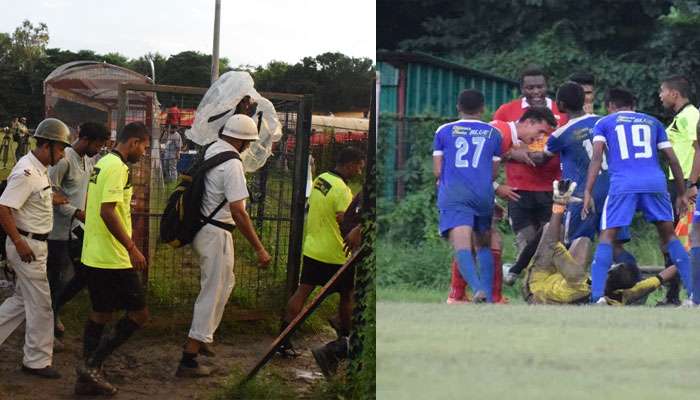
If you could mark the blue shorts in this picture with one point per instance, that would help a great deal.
(462, 216)
(575, 227)
(619, 209)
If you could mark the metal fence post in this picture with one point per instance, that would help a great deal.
(301, 164)
(121, 104)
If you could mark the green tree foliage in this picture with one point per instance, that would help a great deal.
(20, 54)
(116, 59)
(28, 44)
(142, 65)
(338, 82)
(189, 68)
(623, 42)
(414, 219)
(603, 25)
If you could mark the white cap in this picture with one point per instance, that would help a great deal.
(241, 127)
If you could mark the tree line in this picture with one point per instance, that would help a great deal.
(622, 42)
(337, 82)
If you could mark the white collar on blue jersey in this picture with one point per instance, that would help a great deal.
(572, 121)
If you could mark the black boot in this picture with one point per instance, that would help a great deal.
(329, 355)
(122, 332)
(190, 368)
(46, 372)
(286, 348)
(91, 382)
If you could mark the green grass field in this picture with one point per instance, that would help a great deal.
(430, 350)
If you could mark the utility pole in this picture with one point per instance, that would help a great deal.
(215, 51)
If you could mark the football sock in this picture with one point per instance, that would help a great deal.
(625, 257)
(599, 270)
(457, 284)
(682, 262)
(468, 269)
(91, 337)
(122, 332)
(486, 271)
(526, 255)
(497, 275)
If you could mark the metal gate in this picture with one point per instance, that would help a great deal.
(276, 207)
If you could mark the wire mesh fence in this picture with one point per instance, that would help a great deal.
(173, 275)
(83, 92)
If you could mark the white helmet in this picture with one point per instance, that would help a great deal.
(241, 127)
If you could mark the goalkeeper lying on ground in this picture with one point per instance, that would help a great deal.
(558, 275)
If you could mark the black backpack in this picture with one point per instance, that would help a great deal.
(182, 218)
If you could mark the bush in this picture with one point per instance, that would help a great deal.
(362, 372)
(403, 265)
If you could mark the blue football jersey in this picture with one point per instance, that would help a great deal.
(468, 148)
(574, 143)
(633, 140)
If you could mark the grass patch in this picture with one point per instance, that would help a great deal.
(271, 384)
(513, 294)
(435, 351)
(266, 385)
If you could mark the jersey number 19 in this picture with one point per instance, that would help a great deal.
(641, 138)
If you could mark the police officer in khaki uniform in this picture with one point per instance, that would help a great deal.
(26, 214)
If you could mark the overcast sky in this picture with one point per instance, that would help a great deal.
(253, 32)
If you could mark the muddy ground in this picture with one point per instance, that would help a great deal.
(144, 368)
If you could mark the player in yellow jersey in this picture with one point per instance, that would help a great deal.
(558, 275)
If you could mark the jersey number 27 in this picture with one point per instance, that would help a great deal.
(462, 146)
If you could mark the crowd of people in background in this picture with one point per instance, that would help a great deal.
(571, 178)
(16, 132)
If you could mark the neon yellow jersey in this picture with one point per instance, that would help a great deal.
(322, 242)
(681, 133)
(548, 288)
(109, 183)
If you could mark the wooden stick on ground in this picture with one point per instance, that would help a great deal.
(303, 315)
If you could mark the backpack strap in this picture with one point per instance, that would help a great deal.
(216, 160)
(206, 166)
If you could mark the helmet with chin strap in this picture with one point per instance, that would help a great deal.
(54, 130)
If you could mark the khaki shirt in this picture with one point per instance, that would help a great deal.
(28, 194)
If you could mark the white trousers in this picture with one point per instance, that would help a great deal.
(215, 249)
(31, 301)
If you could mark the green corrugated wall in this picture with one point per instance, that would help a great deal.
(430, 91)
(433, 90)
(389, 97)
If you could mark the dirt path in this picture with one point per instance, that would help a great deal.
(144, 368)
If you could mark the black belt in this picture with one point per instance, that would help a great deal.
(36, 236)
